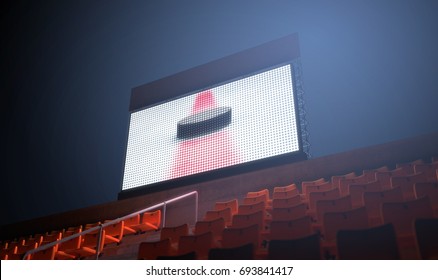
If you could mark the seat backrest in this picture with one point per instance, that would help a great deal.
(288, 188)
(153, 219)
(408, 167)
(132, 221)
(264, 192)
(306, 184)
(427, 189)
(370, 174)
(426, 232)
(115, 231)
(73, 229)
(428, 169)
(357, 190)
(199, 243)
(24, 248)
(384, 177)
(91, 225)
(245, 220)
(187, 256)
(286, 202)
(48, 238)
(215, 214)
(253, 200)
(305, 248)
(232, 204)
(90, 240)
(314, 197)
(325, 186)
(291, 229)
(47, 254)
(344, 183)
(235, 237)
(71, 244)
(403, 214)
(289, 213)
(216, 226)
(407, 182)
(332, 205)
(337, 178)
(151, 250)
(285, 194)
(38, 239)
(173, 233)
(244, 252)
(251, 208)
(344, 220)
(377, 243)
(373, 202)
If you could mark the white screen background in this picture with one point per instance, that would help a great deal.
(263, 125)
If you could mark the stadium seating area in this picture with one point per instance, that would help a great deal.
(381, 213)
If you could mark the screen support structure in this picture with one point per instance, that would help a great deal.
(283, 51)
(301, 104)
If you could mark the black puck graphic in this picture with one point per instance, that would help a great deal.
(204, 122)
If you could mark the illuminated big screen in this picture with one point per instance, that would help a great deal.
(234, 123)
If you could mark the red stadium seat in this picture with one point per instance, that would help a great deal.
(150, 221)
(291, 229)
(47, 254)
(370, 174)
(244, 252)
(215, 214)
(305, 248)
(198, 243)
(357, 190)
(314, 197)
(344, 220)
(430, 190)
(384, 177)
(326, 186)
(289, 213)
(71, 245)
(252, 208)
(332, 205)
(373, 203)
(402, 215)
(285, 194)
(244, 220)
(232, 204)
(288, 188)
(344, 183)
(337, 178)
(173, 233)
(426, 232)
(236, 237)
(216, 227)
(377, 243)
(114, 232)
(286, 202)
(407, 182)
(151, 250)
(306, 184)
(429, 170)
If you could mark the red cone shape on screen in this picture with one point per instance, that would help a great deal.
(204, 100)
(207, 152)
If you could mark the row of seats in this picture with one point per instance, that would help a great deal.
(82, 245)
(376, 199)
(317, 210)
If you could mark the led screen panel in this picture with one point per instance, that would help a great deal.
(238, 122)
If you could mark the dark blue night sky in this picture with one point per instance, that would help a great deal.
(370, 75)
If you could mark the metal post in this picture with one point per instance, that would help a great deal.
(99, 240)
(164, 213)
